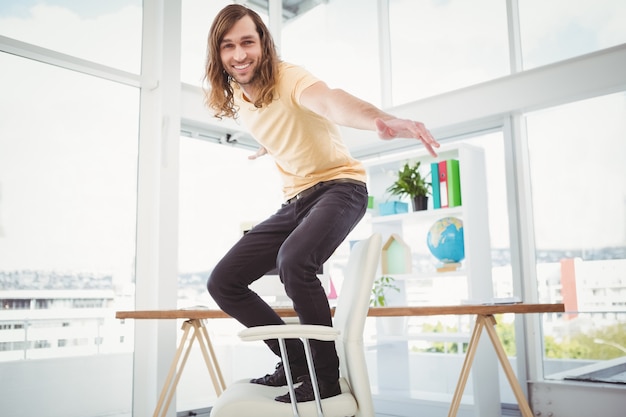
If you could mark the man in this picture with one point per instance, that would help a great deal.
(294, 117)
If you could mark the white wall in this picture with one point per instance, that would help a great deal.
(85, 386)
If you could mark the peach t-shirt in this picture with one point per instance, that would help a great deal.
(307, 148)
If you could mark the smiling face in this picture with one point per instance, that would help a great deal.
(241, 53)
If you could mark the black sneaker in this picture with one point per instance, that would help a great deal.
(305, 393)
(278, 378)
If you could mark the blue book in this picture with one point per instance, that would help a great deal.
(434, 177)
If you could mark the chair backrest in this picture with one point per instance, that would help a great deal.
(350, 314)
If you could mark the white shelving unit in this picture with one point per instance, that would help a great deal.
(424, 285)
(413, 226)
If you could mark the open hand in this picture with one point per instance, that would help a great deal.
(262, 151)
(404, 128)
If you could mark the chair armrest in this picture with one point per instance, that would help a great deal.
(289, 331)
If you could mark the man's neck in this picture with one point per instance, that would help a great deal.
(249, 92)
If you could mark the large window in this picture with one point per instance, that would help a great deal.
(493, 146)
(560, 29)
(106, 32)
(579, 209)
(68, 169)
(68, 158)
(68, 191)
(439, 46)
(338, 47)
(221, 191)
(197, 16)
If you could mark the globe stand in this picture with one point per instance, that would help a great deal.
(449, 267)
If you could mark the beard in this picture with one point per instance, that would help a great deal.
(247, 79)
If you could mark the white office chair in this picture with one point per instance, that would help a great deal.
(244, 399)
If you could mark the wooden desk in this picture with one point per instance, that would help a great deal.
(484, 320)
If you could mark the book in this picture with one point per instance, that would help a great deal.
(454, 183)
(434, 178)
(443, 184)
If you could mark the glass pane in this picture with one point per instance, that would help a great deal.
(434, 346)
(439, 46)
(106, 32)
(579, 207)
(337, 47)
(502, 276)
(221, 192)
(561, 29)
(68, 169)
(197, 16)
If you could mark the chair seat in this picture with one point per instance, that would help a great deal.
(245, 399)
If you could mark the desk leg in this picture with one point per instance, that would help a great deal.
(210, 358)
(506, 366)
(169, 387)
(467, 365)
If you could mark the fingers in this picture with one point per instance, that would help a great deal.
(430, 149)
(260, 152)
(407, 128)
(426, 138)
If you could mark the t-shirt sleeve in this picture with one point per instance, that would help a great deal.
(299, 78)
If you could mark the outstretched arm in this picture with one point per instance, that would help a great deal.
(344, 109)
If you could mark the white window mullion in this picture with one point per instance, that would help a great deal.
(157, 200)
(59, 59)
(384, 50)
(515, 37)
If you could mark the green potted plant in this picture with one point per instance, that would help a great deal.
(381, 286)
(411, 183)
(381, 295)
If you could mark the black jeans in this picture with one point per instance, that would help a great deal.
(297, 239)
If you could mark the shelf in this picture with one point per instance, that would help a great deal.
(419, 216)
(413, 276)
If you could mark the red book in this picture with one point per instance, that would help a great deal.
(443, 183)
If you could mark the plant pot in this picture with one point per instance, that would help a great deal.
(420, 202)
(391, 326)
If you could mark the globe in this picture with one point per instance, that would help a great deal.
(445, 240)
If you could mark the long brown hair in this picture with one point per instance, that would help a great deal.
(219, 95)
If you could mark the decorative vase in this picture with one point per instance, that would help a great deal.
(420, 202)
